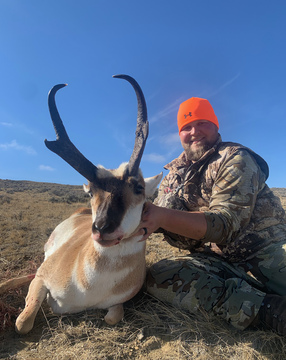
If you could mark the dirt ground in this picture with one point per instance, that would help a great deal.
(150, 329)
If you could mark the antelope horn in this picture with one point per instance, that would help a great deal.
(142, 129)
(63, 146)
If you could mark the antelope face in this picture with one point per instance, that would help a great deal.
(117, 201)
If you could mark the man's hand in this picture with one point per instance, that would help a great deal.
(148, 221)
(191, 224)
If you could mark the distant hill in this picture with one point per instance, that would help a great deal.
(55, 192)
(75, 193)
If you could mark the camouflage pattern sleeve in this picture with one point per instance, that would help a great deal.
(234, 193)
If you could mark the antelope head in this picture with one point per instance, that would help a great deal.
(117, 196)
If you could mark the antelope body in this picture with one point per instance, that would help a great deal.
(94, 259)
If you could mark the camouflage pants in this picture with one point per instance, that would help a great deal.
(201, 281)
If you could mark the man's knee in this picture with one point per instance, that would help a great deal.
(160, 280)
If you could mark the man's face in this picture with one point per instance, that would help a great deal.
(197, 137)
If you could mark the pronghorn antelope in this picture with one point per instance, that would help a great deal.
(94, 259)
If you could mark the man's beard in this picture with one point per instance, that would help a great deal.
(196, 154)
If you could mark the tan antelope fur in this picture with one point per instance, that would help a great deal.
(94, 259)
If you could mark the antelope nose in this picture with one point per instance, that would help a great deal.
(98, 228)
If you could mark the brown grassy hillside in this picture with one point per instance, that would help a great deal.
(29, 211)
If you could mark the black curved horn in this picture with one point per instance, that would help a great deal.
(63, 146)
(142, 128)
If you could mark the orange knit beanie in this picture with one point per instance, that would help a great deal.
(195, 109)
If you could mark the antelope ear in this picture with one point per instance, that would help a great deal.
(151, 184)
(86, 188)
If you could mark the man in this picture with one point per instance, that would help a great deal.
(215, 203)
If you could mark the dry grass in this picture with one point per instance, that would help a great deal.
(150, 329)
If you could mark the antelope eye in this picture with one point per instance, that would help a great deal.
(90, 194)
(138, 189)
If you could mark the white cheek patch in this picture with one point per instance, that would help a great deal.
(93, 216)
(131, 219)
(95, 206)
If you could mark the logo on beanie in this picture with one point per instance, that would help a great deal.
(189, 114)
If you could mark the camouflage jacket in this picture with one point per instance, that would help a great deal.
(228, 185)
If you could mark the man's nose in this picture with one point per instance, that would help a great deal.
(193, 130)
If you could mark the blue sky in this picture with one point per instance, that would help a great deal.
(231, 52)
